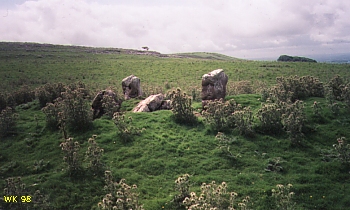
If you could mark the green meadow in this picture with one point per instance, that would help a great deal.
(166, 149)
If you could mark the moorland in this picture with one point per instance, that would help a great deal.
(250, 159)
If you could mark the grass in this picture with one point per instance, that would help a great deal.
(165, 149)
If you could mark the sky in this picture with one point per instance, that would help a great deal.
(239, 28)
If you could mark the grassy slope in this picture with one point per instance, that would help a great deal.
(165, 149)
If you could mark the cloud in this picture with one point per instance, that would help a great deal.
(233, 27)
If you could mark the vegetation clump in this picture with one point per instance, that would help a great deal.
(342, 150)
(71, 158)
(94, 155)
(7, 121)
(71, 109)
(219, 114)
(126, 130)
(182, 107)
(287, 58)
(120, 196)
(284, 197)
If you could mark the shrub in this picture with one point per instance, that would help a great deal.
(336, 84)
(49, 92)
(110, 106)
(76, 110)
(295, 88)
(51, 111)
(224, 145)
(120, 196)
(126, 130)
(23, 95)
(214, 196)
(71, 158)
(270, 115)
(182, 185)
(182, 107)
(274, 164)
(283, 197)
(293, 121)
(15, 187)
(93, 155)
(342, 150)
(345, 94)
(240, 87)
(219, 114)
(7, 121)
(244, 121)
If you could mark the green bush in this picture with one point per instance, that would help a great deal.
(215, 196)
(49, 92)
(295, 88)
(345, 95)
(219, 115)
(120, 196)
(182, 107)
(293, 121)
(126, 130)
(224, 145)
(182, 186)
(7, 121)
(283, 197)
(51, 111)
(270, 115)
(336, 84)
(244, 121)
(93, 155)
(71, 157)
(76, 110)
(110, 106)
(23, 95)
(342, 150)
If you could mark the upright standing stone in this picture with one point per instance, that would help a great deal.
(213, 86)
(131, 87)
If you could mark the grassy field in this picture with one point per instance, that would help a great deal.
(166, 149)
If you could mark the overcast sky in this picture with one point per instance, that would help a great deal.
(240, 28)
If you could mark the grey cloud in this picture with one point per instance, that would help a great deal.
(231, 27)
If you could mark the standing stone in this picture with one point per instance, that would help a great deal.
(131, 87)
(97, 102)
(213, 86)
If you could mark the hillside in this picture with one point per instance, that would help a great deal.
(166, 149)
(207, 55)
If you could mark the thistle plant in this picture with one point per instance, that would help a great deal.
(125, 128)
(120, 196)
(182, 185)
(343, 150)
(224, 145)
(219, 114)
(335, 86)
(270, 115)
(316, 109)
(293, 121)
(182, 107)
(345, 94)
(51, 111)
(94, 154)
(215, 196)
(283, 197)
(71, 158)
(7, 121)
(14, 186)
(110, 106)
(244, 121)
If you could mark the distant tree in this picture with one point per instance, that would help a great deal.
(288, 58)
(145, 48)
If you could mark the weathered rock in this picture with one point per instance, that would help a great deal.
(213, 85)
(131, 87)
(166, 105)
(150, 104)
(97, 102)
